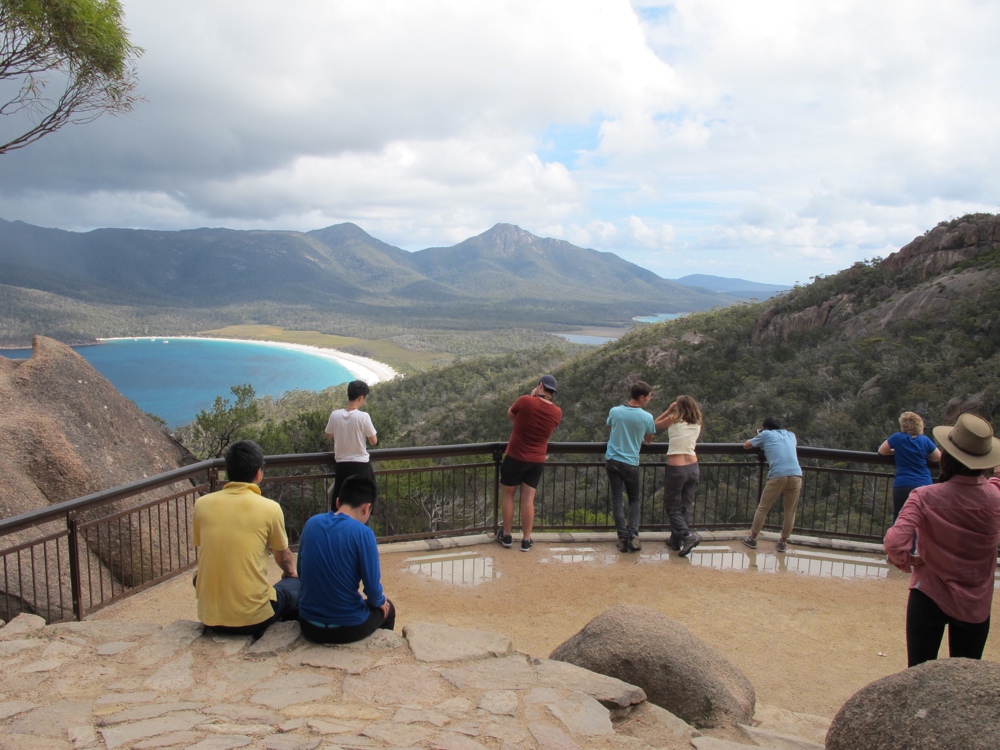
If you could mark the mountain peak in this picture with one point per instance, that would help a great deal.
(506, 240)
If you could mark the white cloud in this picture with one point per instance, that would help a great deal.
(772, 140)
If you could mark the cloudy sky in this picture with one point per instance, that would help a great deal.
(771, 140)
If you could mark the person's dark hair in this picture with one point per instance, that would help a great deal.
(771, 423)
(357, 490)
(356, 389)
(952, 467)
(243, 460)
(640, 389)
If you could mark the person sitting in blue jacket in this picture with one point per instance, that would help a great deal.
(337, 551)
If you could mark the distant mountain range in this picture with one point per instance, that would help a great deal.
(505, 276)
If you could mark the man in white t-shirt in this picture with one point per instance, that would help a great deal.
(349, 428)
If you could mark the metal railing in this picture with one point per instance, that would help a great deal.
(68, 560)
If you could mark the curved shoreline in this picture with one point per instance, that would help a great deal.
(370, 370)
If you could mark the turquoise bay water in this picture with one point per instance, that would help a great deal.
(176, 380)
(577, 338)
(659, 317)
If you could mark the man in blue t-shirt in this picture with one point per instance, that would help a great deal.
(631, 426)
(784, 478)
(337, 551)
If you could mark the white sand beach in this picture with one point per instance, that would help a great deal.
(369, 370)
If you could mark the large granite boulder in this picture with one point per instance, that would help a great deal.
(949, 703)
(677, 671)
(66, 432)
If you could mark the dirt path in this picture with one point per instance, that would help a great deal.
(806, 642)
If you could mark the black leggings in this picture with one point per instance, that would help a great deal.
(925, 628)
(350, 633)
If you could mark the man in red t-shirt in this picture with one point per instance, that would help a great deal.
(535, 418)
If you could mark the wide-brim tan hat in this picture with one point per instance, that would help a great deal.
(971, 441)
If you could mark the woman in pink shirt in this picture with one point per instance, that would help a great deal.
(957, 522)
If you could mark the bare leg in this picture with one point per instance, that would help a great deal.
(527, 509)
(507, 507)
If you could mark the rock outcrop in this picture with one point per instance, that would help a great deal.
(678, 671)
(945, 245)
(948, 703)
(925, 259)
(66, 432)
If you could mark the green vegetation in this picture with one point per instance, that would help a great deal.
(837, 361)
(213, 431)
(888, 341)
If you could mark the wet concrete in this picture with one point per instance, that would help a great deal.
(472, 566)
(466, 568)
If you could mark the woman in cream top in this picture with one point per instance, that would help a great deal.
(682, 419)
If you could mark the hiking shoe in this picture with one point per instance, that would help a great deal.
(690, 542)
(525, 545)
(634, 545)
(622, 544)
(674, 545)
(505, 539)
(782, 545)
(750, 542)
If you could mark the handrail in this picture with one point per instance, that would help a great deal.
(89, 559)
(94, 499)
(102, 497)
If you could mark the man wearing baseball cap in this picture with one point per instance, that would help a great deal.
(535, 418)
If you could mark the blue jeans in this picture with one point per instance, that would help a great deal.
(286, 607)
(621, 475)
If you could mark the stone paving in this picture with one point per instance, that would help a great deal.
(94, 685)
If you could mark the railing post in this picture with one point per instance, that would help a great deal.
(75, 579)
(213, 479)
(497, 458)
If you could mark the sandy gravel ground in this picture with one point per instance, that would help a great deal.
(807, 642)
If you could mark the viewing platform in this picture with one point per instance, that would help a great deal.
(809, 627)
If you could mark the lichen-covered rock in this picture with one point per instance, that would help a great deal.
(678, 671)
(948, 703)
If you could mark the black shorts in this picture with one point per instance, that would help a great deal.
(345, 469)
(514, 472)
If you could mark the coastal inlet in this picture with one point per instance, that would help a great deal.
(175, 378)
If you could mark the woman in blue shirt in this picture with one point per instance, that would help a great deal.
(912, 450)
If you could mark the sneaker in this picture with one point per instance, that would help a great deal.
(505, 539)
(634, 545)
(525, 545)
(782, 545)
(750, 542)
(689, 543)
(674, 545)
(622, 544)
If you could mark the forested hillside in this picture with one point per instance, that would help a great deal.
(837, 360)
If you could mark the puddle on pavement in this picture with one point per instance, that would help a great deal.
(577, 554)
(459, 568)
(824, 564)
(471, 569)
(821, 563)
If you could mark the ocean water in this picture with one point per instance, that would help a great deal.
(176, 378)
(659, 317)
